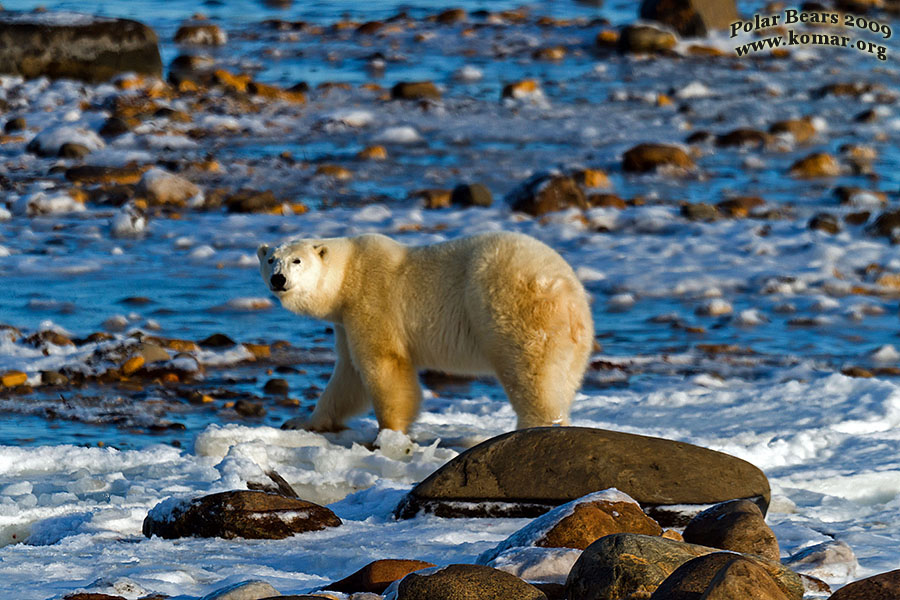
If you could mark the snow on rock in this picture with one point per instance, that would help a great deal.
(163, 187)
(550, 565)
(47, 203)
(50, 140)
(401, 134)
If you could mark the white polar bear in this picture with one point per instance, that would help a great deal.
(502, 304)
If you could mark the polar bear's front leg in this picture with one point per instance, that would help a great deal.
(344, 395)
(390, 379)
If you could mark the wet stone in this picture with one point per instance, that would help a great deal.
(114, 127)
(202, 34)
(743, 137)
(820, 164)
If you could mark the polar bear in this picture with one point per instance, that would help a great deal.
(501, 304)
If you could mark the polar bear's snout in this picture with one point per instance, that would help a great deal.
(277, 282)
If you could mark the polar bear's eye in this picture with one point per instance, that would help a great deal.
(296, 261)
(271, 260)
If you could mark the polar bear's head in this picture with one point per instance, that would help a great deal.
(293, 272)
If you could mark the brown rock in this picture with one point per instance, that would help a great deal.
(699, 211)
(527, 472)
(645, 39)
(578, 524)
(471, 194)
(415, 90)
(720, 576)
(521, 89)
(825, 222)
(740, 207)
(887, 224)
(606, 200)
(114, 127)
(73, 150)
(247, 408)
(592, 520)
(373, 153)
(691, 18)
(736, 525)
(626, 565)
(820, 164)
(592, 178)
(801, 130)
(13, 379)
(884, 586)
(377, 575)
(551, 53)
(743, 136)
(91, 596)
(434, 198)
(92, 49)
(201, 34)
(277, 387)
(240, 513)
(650, 157)
(15, 124)
(545, 192)
(466, 582)
(252, 201)
(92, 175)
(272, 92)
(451, 16)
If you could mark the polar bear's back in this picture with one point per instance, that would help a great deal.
(471, 297)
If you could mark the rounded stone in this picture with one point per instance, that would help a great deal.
(737, 525)
(466, 582)
(239, 513)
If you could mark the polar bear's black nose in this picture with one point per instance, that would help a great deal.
(278, 281)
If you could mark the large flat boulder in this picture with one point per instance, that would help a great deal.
(75, 46)
(525, 473)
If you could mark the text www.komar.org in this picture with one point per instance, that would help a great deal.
(793, 38)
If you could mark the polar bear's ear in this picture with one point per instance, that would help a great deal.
(262, 251)
(322, 250)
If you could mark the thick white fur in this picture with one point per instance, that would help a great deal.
(498, 303)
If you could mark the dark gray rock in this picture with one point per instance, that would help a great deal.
(75, 46)
(527, 472)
